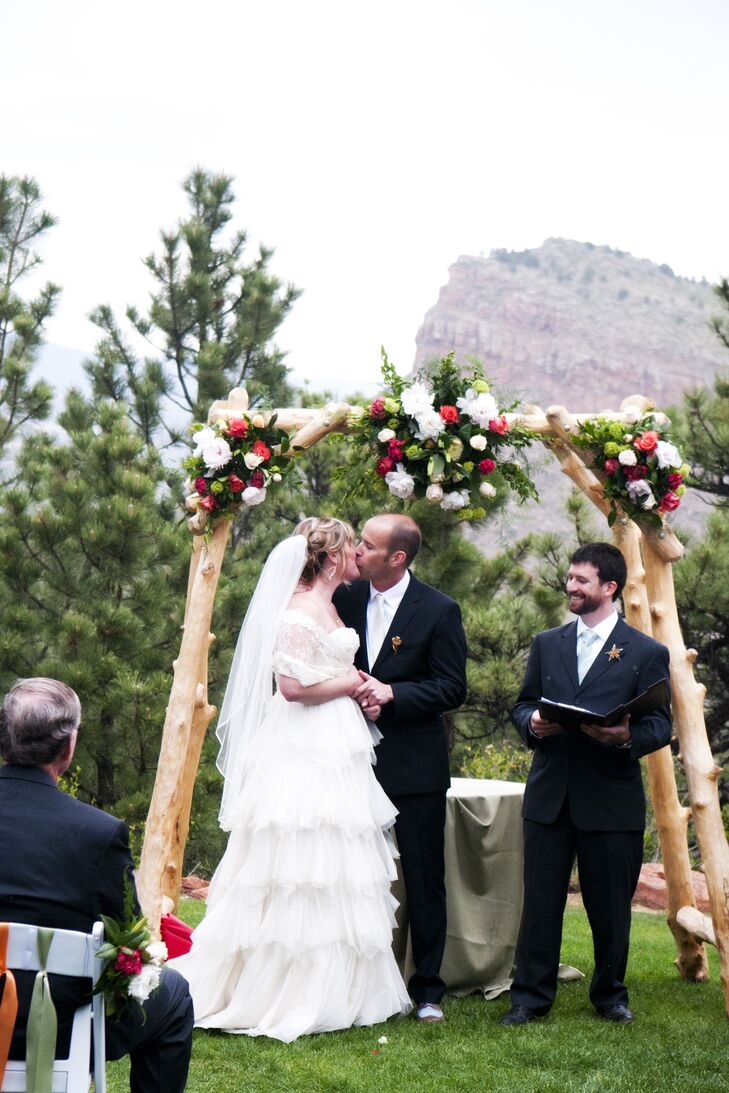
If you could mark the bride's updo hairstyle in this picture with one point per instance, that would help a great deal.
(326, 538)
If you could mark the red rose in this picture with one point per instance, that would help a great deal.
(487, 466)
(208, 503)
(499, 425)
(449, 414)
(201, 485)
(128, 962)
(259, 448)
(258, 480)
(235, 484)
(377, 410)
(237, 426)
(385, 466)
(611, 466)
(675, 480)
(669, 502)
(634, 473)
(647, 442)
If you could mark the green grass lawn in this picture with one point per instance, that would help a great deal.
(678, 1044)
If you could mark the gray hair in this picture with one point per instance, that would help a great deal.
(37, 720)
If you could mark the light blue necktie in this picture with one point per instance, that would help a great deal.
(584, 657)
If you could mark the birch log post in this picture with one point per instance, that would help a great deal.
(698, 762)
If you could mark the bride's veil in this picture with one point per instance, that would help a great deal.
(250, 684)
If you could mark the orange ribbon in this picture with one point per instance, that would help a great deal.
(8, 1000)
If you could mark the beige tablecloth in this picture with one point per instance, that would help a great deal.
(483, 848)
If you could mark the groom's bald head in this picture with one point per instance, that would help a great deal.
(388, 544)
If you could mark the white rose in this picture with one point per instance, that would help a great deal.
(430, 425)
(216, 454)
(253, 496)
(252, 461)
(667, 455)
(628, 458)
(140, 986)
(385, 434)
(157, 952)
(276, 477)
(457, 499)
(478, 442)
(416, 399)
(487, 490)
(203, 437)
(400, 483)
(434, 492)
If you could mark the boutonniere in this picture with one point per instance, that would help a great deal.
(614, 653)
(396, 643)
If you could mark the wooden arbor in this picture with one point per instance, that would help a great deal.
(650, 606)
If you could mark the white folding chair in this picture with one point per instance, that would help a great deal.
(71, 953)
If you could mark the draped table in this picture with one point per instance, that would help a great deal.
(483, 855)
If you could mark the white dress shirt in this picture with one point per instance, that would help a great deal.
(391, 600)
(603, 630)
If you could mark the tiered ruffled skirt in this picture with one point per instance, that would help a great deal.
(298, 929)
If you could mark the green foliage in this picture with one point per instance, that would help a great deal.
(212, 319)
(505, 762)
(22, 225)
(702, 426)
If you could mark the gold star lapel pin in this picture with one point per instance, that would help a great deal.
(396, 643)
(614, 653)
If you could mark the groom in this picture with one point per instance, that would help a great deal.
(412, 658)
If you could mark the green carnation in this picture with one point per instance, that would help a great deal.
(468, 466)
(217, 486)
(391, 405)
(617, 430)
(480, 386)
(412, 451)
(393, 423)
(611, 449)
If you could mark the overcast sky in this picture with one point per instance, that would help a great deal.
(372, 144)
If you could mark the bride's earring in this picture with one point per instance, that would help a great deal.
(330, 573)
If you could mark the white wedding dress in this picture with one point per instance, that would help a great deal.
(297, 933)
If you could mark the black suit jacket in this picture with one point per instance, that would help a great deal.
(62, 864)
(427, 674)
(602, 783)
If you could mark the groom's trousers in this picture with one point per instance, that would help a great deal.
(420, 833)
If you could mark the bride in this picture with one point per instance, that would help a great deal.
(297, 933)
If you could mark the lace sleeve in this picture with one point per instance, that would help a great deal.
(297, 650)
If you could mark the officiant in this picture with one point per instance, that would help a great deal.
(584, 797)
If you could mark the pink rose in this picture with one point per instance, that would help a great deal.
(499, 425)
(259, 448)
(235, 484)
(669, 502)
(385, 466)
(675, 480)
(208, 503)
(237, 426)
(611, 466)
(647, 442)
(377, 410)
(449, 414)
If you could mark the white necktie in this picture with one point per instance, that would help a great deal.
(584, 653)
(377, 628)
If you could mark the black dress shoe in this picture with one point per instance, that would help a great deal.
(519, 1015)
(620, 1014)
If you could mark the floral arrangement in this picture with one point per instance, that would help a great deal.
(441, 437)
(235, 462)
(133, 962)
(638, 463)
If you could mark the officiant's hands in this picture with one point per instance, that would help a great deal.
(617, 735)
(372, 692)
(541, 728)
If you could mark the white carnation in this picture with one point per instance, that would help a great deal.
(385, 434)
(667, 455)
(487, 490)
(481, 408)
(203, 437)
(400, 483)
(478, 442)
(216, 454)
(140, 986)
(457, 499)
(434, 492)
(628, 458)
(416, 399)
(252, 461)
(157, 952)
(253, 496)
(641, 493)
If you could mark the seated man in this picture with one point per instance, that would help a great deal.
(63, 864)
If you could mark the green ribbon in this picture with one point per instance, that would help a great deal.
(40, 1032)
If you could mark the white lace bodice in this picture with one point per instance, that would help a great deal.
(309, 653)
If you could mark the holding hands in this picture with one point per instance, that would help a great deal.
(372, 695)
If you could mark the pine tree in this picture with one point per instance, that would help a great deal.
(91, 559)
(22, 226)
(211, 323)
